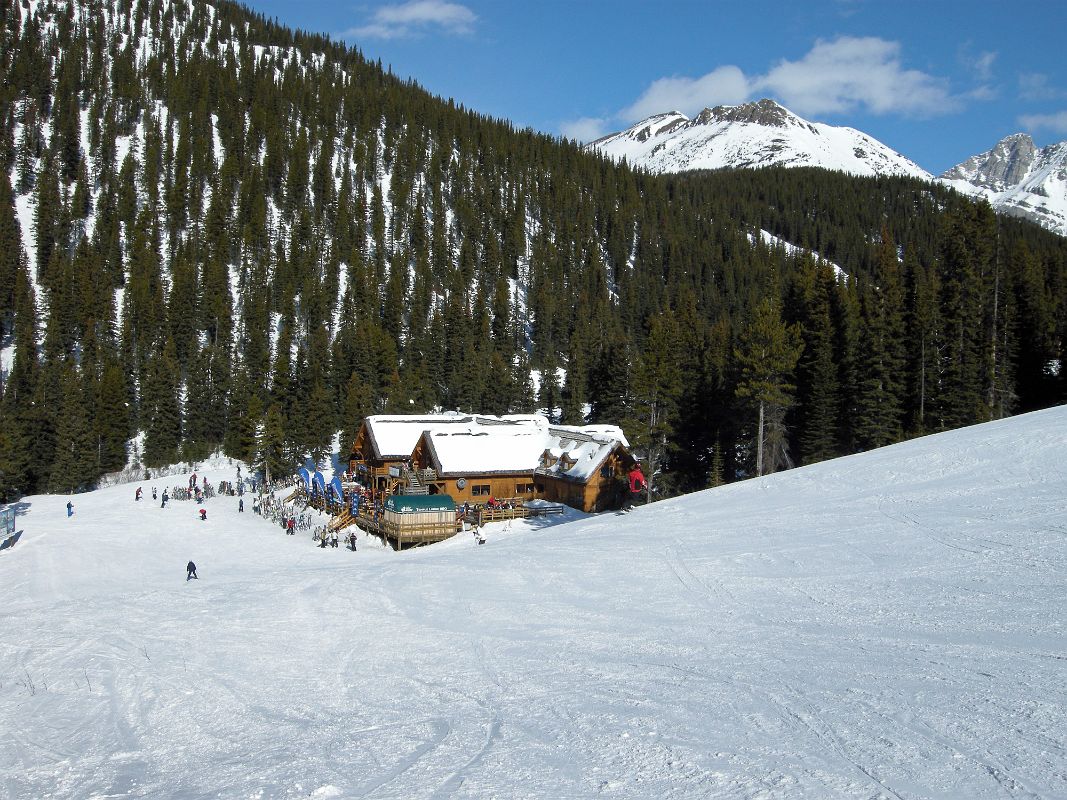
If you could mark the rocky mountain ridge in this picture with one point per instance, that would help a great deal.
(1018, 178)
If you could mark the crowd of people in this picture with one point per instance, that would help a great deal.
(264, 501)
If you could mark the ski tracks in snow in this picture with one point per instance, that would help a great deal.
(714, 598)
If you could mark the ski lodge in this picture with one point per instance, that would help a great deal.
(473, 458)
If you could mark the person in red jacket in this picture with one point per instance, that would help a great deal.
(636, 479)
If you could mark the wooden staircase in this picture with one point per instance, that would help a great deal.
(342, 520)
(413, 484)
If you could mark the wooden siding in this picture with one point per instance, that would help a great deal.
(603, 490)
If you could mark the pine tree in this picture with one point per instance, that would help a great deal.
(111, 421)
(926, 344)
(966, 252)
(818, 384)
(10, 257)
(879, 402)
(272, 455)
(160, 407)
(73, 467)
(655, 390)
(768, 354)
(548, 393)
(717, 476)
(321, 422)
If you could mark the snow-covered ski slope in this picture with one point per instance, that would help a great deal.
(889, 625)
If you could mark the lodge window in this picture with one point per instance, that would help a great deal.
(480, 490)
(524, 488)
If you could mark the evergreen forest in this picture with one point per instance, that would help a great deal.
(220, 234)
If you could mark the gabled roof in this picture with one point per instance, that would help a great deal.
(395, 436)
(578, 452)
(478, 449)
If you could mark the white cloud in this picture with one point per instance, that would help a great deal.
(1057, 123)
(832, 78)
(722, 86)
(981, 65)
(853, 72)
(415, 17)
(1035, 86)
(586, 129)
(984, 93)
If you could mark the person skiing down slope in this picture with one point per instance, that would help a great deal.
(190, 570)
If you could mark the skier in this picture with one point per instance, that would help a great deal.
(154, 493)
(192, 481)
(70, 509)
(333, 539)
(241, 505)
(137, 494)
(190, 570)
(290, 526)
(352, 541)
(637, 485)
(203, 515)
(165, 498)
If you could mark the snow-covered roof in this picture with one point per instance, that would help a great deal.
(395, 436)
(484, 449)
(578, 452)
(480, 444)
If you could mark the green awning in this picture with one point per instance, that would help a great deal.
(411, 503)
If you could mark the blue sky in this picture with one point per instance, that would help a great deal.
(937, 81)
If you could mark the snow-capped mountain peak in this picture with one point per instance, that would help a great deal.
(763, 112)
(758, 134)
(1004, 166)
(1018, 178)
(656, 125)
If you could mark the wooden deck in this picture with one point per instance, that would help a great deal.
(483, 514)
(410, 534)
(403, 535)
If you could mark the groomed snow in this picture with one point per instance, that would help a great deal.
(884, 625)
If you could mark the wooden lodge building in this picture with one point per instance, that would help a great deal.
(473, 458)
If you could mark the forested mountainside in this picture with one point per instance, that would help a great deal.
(217, 232)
